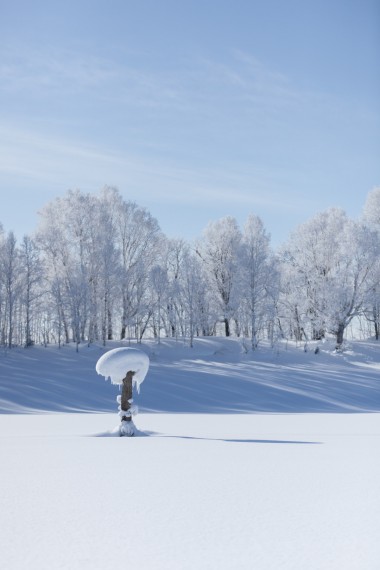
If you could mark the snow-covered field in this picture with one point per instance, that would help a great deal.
(265, 460)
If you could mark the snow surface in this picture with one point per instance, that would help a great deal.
(274, 465)
(115, 364)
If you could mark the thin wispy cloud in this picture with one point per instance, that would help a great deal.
(65, 72)
(38, 158)
(230, 130)
(247, 76)
(196, 81)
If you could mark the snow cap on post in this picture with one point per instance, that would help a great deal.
(115, 364)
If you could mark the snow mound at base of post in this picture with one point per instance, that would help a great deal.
(115, 364)
(127, 429)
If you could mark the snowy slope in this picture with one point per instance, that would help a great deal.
(216, 487)
(217, 376)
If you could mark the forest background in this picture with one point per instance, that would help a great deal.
(98, 268)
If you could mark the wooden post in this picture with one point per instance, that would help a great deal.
(126, 395)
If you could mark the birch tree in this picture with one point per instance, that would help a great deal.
(256, 273)
(10, 276)
(138, 237)
(371, 218)
(220, 250)
(31, 282)
(332, 263)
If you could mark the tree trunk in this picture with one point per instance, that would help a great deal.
(28, 339)
(339, 336)
(227, 326)
(65, 328)
(109, 330)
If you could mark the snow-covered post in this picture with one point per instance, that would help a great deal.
(126, 396)
(126, 367)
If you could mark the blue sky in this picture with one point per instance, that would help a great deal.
(194, 109)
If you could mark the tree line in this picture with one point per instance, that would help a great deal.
(99, 268)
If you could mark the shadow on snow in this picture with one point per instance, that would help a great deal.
(194, 438)
(61, 380)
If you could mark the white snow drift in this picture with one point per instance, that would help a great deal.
(115, 364)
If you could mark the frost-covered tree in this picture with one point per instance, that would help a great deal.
(371, 218)
(63, 236)
(138, 239)
(106, 269)
(330, 262)
(159, 282)
(220, 249)
(371, 309)
(311, 255)
(2, 290)
(371, 210)
(354, 276)
(10, 285)
(257, 273)
(292, 311)
(174, 260)
(195, 299)
(174, 257)
(31, 273)
(99, 250)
